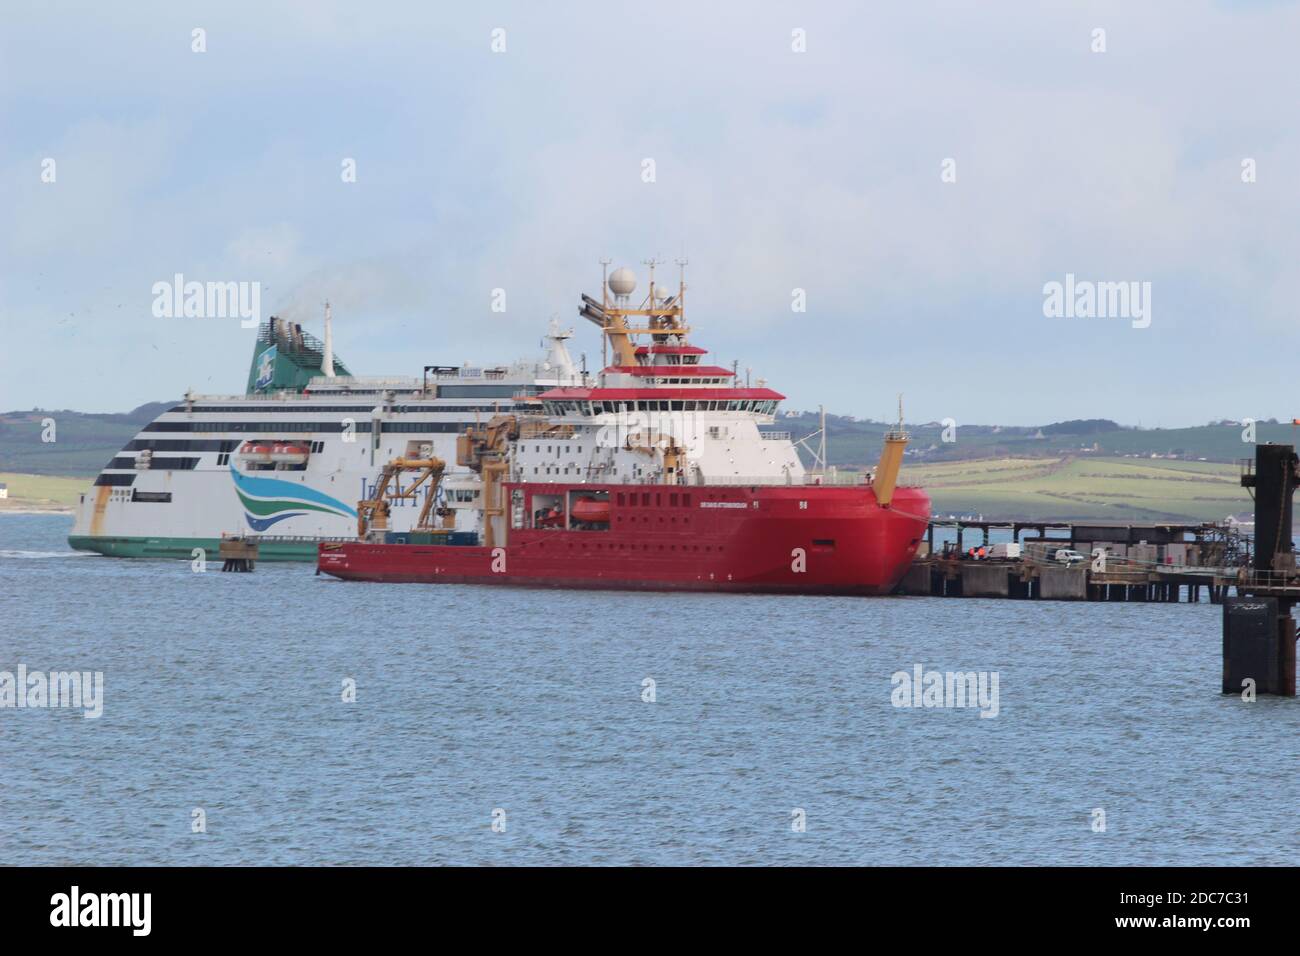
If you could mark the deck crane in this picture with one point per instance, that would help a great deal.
(372, 513)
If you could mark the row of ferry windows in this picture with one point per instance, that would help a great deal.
(760, 407)
(346, 409)
(161, 463)
(358, 425)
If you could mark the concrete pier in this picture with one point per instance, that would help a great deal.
(985, 580)
(1125, 561)
(1063, 584)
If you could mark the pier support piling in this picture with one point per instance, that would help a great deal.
(238, 554)
(1259, 633)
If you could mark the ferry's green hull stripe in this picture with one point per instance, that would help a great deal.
(117, 546)
(263, 508)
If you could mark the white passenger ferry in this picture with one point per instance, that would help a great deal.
(289, 460)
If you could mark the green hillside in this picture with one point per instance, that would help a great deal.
(86, 442)
(83, 443)
(1115, 489)
(855, 444)
(1077, 469)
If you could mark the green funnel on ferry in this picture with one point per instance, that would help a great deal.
(286, 358)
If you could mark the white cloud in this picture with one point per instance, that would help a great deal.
(775, 170)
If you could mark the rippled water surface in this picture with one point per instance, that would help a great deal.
(223, 692)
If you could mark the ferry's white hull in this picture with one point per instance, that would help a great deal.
(169, 512)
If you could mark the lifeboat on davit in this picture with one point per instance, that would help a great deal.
(289, 453)
(591, 510)
(255, 452)
(550, 518)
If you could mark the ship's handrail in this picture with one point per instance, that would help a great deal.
(281, 395)
(316, 397)
(294, 538)
(365, 381)
(284, 395)
(838, 480)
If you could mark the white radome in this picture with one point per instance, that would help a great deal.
(622, 281)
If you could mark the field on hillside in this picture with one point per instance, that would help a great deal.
(856, 444)
(1115, 489)
(43, 492)
(84, 443)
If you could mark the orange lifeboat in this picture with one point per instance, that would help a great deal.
(591, 510)
(257, 452)
(289, 453)
(550, 518)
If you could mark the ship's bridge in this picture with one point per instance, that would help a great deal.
(657, 412)
(667, 374)
(560, 402)
(670, 354)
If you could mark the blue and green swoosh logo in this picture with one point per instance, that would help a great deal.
(270, 500)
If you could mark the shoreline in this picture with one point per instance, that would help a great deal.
(37, 510)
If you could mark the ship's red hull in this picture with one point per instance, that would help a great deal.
(799, 539)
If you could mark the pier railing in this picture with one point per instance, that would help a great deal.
(838, 479)
(1246, 578)
(598, 476)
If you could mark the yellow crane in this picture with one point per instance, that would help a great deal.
(885, 476)
(372, 513)
(486, 450)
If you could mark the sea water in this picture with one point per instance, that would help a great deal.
(279, 717)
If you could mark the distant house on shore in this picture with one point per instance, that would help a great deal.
(4, 490)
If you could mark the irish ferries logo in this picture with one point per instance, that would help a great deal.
(265, 369)
(270, 500)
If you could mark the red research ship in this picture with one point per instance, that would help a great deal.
(654, 477)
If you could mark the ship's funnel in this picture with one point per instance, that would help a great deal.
(327, 354)
(558, 359)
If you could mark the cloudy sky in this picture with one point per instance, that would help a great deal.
(774, 170)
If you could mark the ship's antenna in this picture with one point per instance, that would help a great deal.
(604, 304)
(651, 262)
(681, 287)
(898, 432)
(327, 357)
